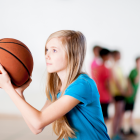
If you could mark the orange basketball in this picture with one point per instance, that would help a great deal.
(17, 60)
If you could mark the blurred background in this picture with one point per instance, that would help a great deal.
(111, 24)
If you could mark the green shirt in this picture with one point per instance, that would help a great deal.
(133, 74)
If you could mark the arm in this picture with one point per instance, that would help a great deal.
(108, 81)
(129, 88)
(137, 79)
(107, 85)
(37, 120)
(48, 102)
(27, 122)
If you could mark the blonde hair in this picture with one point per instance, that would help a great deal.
(74, 44)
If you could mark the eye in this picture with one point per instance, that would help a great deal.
(46, 50)
(54, 50)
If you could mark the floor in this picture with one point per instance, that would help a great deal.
(14, 128)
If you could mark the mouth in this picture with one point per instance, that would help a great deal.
(49, 64)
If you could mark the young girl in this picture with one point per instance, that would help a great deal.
(72, 104)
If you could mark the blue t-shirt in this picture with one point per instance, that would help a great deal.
(86, 117)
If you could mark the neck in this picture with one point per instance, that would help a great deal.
(62, 76)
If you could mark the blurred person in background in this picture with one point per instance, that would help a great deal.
(102, 76)
(97, 60)
(134, 78)
(118, 87)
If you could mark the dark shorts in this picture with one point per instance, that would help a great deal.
(129, 106)
(119, 98)
(105, 109)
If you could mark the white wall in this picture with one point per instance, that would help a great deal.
(113, 24)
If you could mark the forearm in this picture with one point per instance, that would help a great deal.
(107, 85)
(137, 79)
(29, 113)
(35, 131)
(119, 87)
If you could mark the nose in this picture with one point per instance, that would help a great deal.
(47, 56)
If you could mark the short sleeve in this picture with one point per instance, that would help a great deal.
(81, 90)
(132, 75)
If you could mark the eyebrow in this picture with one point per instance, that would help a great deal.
(53, 47)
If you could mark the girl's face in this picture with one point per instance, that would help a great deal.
(55, 56)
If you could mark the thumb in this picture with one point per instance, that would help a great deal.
(2, 70)
(29, 81)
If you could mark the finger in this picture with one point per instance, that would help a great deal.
(2, 70)
(30, 80)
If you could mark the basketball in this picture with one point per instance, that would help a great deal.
(17, 60)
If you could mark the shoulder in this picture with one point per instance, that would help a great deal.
(133, 71)
(84, 81)
(84, 87)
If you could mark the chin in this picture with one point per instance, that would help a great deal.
(51, 71)
(54, 70)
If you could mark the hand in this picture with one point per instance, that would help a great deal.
(4, 78)
(18, 91)
(23, 87)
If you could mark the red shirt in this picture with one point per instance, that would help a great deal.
(95, 63)
(101, 77)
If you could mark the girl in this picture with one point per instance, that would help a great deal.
(72, 97)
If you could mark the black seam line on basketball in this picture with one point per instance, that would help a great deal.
(18, 44)
(19, 86)
(14, 83)
(17, 59)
